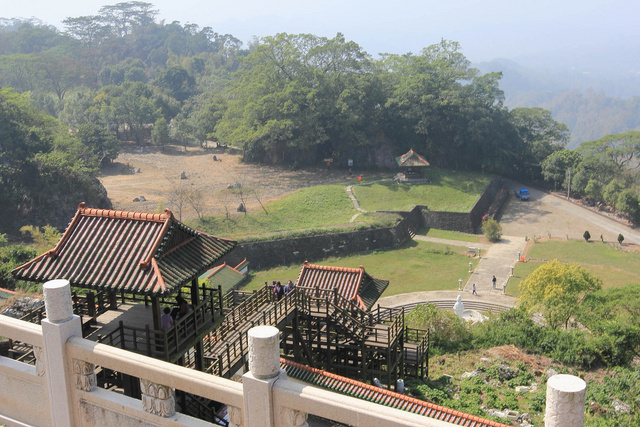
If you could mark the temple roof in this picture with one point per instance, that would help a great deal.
(411, 159)
(382, 396)
(354, 284)
(135, 252)
(225, 276)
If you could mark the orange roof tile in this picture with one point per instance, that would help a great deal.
(136, 252)
(353, 284)
(379, 395)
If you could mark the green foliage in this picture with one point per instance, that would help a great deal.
(43, 167)
(43, 239)
(556, 165)
(586, 235)
(11, 256)
(557, 290)
(611, 192)
(540, 133)
(620, 238)
(447, 331)
(628, 203)
(594, 189)
(492, 230)
(100, 143)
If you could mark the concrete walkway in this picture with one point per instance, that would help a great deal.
(496, 258)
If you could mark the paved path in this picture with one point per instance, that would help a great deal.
(356, 205)
(496, 258)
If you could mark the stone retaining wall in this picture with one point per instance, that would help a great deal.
(293, 250)
(265, 254)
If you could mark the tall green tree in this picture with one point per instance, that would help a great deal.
(557, 290)
(299, 98)
(540, 134)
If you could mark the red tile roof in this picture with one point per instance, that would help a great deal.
(411, 158)
(353, 284)
(136, 252)
(382, 396)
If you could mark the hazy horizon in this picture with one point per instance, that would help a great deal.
(487, 30)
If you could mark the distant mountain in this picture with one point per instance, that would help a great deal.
(593, 101)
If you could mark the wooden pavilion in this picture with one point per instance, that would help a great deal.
(412, 164)
(137, 257)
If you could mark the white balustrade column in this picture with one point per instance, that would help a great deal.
(565, 401)
(264, 371)
(59, 325)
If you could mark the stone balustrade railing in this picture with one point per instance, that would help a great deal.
(61, 389)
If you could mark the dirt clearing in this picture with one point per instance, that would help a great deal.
(159, 181)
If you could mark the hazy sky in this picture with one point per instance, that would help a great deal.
(486, 29)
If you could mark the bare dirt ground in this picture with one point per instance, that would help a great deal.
(159, 180)
(547, 215)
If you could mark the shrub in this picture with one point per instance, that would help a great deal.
(492, 230)
(586, 235)
(620, 238)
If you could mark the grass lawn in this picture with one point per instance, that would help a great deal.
(453, 235)
(452, 191)
(308, 208)
(614, 266)
(418, 266)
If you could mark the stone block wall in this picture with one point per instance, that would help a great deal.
(265, 254)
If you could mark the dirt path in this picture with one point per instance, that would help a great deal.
(159, 180)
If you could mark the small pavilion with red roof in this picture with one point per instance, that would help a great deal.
(412, 164)
(352, 284)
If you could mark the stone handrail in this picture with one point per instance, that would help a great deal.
(63, 390)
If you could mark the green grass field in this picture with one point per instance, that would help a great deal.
(452, 191)
(614, 266)
(328, 206)
(453, 235)
(308, 208)
(419, 266)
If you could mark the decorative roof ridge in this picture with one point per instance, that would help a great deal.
(7, 291)
(216, 269)
(195, 232)
(333, 268)
(156, 270)
(146, 262)
(239, 264)
(393, 394)
(67, 233)
(129, 215)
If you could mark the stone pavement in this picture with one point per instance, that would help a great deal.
(496, 258)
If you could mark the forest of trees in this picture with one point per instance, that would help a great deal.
(122, 77)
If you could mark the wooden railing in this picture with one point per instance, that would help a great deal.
(171, 343)
(421, 338)
(226, 347)
(88, 307)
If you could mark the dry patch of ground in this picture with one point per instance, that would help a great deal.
(159, 179)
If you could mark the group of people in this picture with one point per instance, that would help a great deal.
(170, 315)
(280, 290)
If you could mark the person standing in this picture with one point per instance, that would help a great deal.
(166, 320)
(493, 281)
(473, 290)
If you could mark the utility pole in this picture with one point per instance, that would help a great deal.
(569, 186)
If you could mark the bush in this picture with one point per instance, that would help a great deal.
(447, 331)
(492, 230)
(586, 235)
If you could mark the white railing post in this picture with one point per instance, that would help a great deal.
(59, 325)
(264, 371)
(565, 401)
